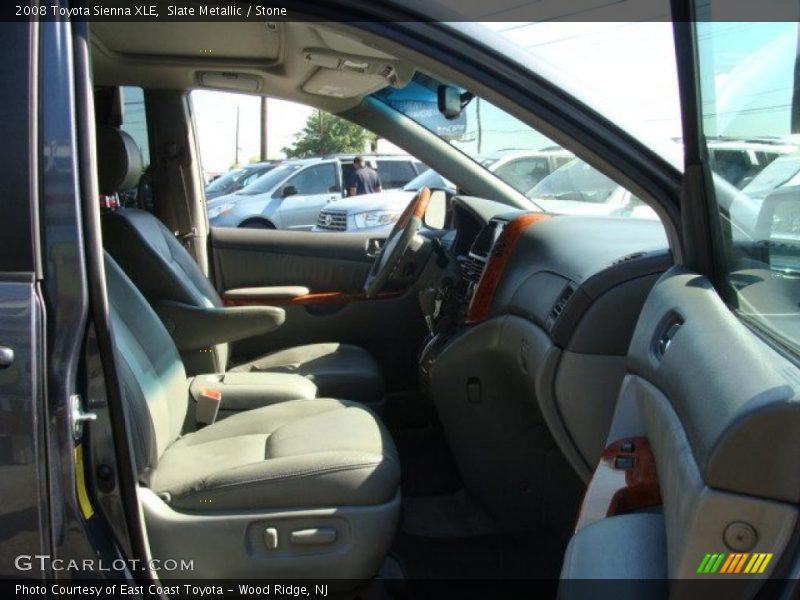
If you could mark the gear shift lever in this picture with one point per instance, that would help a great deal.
(430, 301)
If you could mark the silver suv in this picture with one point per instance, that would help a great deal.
(290, 195)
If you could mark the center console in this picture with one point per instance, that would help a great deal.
(471, 265)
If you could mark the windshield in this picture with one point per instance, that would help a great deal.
(428, 179)
(222, 182)
(267, 182)
(512, 151)
(482, 131)
(592, 60)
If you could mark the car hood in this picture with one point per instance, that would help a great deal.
(390, 200)
(225, 199)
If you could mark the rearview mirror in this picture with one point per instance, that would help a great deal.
(452, 100)
(436, 213)
(289, 190)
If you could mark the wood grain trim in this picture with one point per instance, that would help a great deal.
(481, 304)
(615, 491)
(415, 209)
(314, 298)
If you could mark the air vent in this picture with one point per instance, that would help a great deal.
(561, 303)
(471, 268)
(628, 258)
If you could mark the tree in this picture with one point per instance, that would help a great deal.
(328, 134)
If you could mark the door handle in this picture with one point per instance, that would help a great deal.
(374, 247)
(668, 330)
(6, 357)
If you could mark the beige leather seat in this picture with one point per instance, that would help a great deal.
(313, 453)
(302, 488)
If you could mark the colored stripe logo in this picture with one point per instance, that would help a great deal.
(737, 562)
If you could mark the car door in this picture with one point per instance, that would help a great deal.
(309, 190)
(710, 400)
(24, 511)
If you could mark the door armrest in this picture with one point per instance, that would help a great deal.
(283, 292)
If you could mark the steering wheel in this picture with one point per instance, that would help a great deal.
(397, 243)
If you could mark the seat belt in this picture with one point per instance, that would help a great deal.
(173, 157)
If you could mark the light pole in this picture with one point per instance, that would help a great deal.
(236, 151)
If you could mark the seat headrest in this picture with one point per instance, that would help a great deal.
(119, 160)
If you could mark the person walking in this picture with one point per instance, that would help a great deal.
(363, 180)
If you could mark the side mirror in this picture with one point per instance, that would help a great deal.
(778, 226)
(436, 213)
(289, 190)
(452, 100)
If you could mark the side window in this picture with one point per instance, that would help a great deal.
(248, 179)
(421, 167)
(319, 179)
(748, 83)
(395, 173)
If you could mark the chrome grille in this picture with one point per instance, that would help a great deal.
(332, 220)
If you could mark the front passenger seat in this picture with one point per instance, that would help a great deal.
(163, 270)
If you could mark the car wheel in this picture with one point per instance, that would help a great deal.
(257, 224)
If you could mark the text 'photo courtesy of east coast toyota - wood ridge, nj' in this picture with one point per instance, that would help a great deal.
(400, 299)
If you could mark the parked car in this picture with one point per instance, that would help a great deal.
(291, 194)
(523, 169)
(577, 188)
(377, 212)
(781, 172)
(236, 179)
(740, 161)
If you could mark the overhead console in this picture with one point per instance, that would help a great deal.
(346, 75)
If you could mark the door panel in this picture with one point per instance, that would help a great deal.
(718, 408)
(718, 403)
(322, 262)
(391, 328)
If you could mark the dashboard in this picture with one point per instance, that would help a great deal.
(550, 265)
(531, 347)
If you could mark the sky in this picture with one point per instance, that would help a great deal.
(215, 116)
